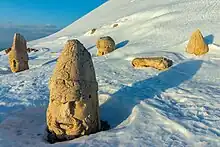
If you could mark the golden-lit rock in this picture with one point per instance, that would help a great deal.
(17, 56)
(105, 45)
(159, 63)
(73, 109)
(197, 44)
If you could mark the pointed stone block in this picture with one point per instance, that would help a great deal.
(73, 109)
(105, 45)
(17, 56)
(159, 63)
(197, 44)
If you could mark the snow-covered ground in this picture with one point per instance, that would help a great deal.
(178, 107)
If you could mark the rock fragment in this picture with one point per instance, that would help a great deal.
(159, 63)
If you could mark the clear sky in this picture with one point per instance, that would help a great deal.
(55, 12)
(38, 18)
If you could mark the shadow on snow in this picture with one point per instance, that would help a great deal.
(209, 39)
(120, 105)
(121, 44)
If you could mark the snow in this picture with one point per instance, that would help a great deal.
(145, 107)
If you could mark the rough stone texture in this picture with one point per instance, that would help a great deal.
(18, 57)
(159, 63)
(73, 109)
(197, 44)
(105, 45)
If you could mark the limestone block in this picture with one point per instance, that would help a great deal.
(18, 57)
(197, 44)
(73, 109)
(159, 63)
(105, 45)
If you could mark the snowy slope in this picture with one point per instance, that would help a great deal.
(145, 107)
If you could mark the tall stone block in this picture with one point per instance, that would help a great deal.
(73, 109)
(17, 56)
(197, 44)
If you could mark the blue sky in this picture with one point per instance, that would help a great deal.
(24, 16)
(56, 12)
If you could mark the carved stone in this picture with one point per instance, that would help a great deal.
(73, 109)
(105, 45)
(159, 63)
(17, 56)
(197, 44)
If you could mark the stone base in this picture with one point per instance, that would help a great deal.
(52, 138)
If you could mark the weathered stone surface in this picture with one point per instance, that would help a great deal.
(73, 109)
(105, 45)
(197, 44)
(18, 57)
(159, 63)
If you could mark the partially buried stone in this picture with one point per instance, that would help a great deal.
(92, 31)
(17, 56)
(73, 109)
(105, 45)
(115, 25)
(159, 63)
